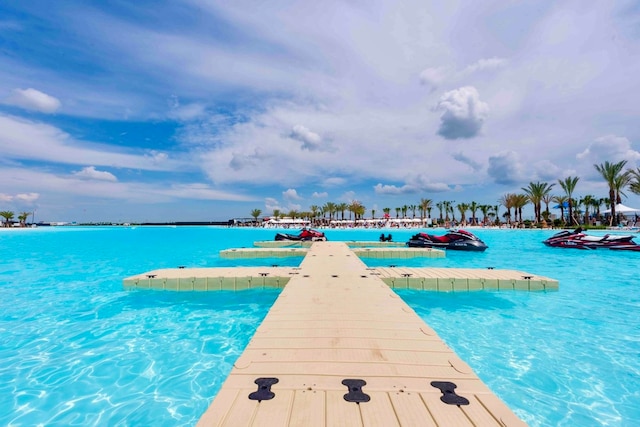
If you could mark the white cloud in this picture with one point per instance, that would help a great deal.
(90, 172)
(27, 197)
(463, 113)
(547, 170)
(272, 204)
(188, 112)
(334, 181)
(310, 140)
(486, 64)
(22, 139)
(32, 99)
(320, 195)
(69, 186)
(505, 168)
(418, 184)
(393, 189)
(348, 196)
(434, 77)
(461, 157)
(291, 194)
(610, 148)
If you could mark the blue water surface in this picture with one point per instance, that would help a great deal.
(77, 349)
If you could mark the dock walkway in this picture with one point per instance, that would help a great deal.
(340, 348)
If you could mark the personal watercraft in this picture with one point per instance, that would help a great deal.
(306, 234)
(578, 240)
(459, 240)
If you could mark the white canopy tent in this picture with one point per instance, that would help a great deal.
(622, 209)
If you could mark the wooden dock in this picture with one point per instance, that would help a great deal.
(340, 348)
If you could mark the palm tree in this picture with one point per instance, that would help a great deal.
(621, 181)
(398, 212)
(373, 213)
(413, 210)
(341, 207)
(485, 212)
(507, 201)
(569, 186)
(404, 209)
(255, 214)
(440, 206)
(448, 208)
(536, 191)
(634, 184)
(462, 208)
(386, 211)
(358, 209)
(23, 218)
(587, 202)
(519, 202)
(425, 206)
(276, 213)
(610, 173)
(560, 200)
(330, 208)
(8, 216)
(315, 211)
(547, 198)
(473, 207)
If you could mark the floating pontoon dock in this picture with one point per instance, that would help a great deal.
(340, 348)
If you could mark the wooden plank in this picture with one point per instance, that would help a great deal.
(309, 409)
(379, 411)
(411, 410)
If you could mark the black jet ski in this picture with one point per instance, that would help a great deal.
(577, 239)
(459, 240)
(306, 234)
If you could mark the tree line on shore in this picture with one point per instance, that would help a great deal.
(579, 211)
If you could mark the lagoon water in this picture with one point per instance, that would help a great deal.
(77, 349)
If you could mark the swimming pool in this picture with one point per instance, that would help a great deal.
(76, 349)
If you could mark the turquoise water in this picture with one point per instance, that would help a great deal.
(76, 349)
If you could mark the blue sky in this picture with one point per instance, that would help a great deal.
(195, 110)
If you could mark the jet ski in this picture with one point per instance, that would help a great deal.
(577, 239)
(459, 240)
(306, 234)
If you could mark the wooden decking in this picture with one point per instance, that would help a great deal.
(336, 321)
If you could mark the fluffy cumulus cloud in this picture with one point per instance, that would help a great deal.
(505, 168)
(310, 140)
(291, 194)
(610, 148)
(320, 195)
(32, 99)
(272, 204)
(463, 113)
(547, 170)
(90, 172)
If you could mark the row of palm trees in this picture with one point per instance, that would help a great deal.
(8, 218)
(536, 193)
